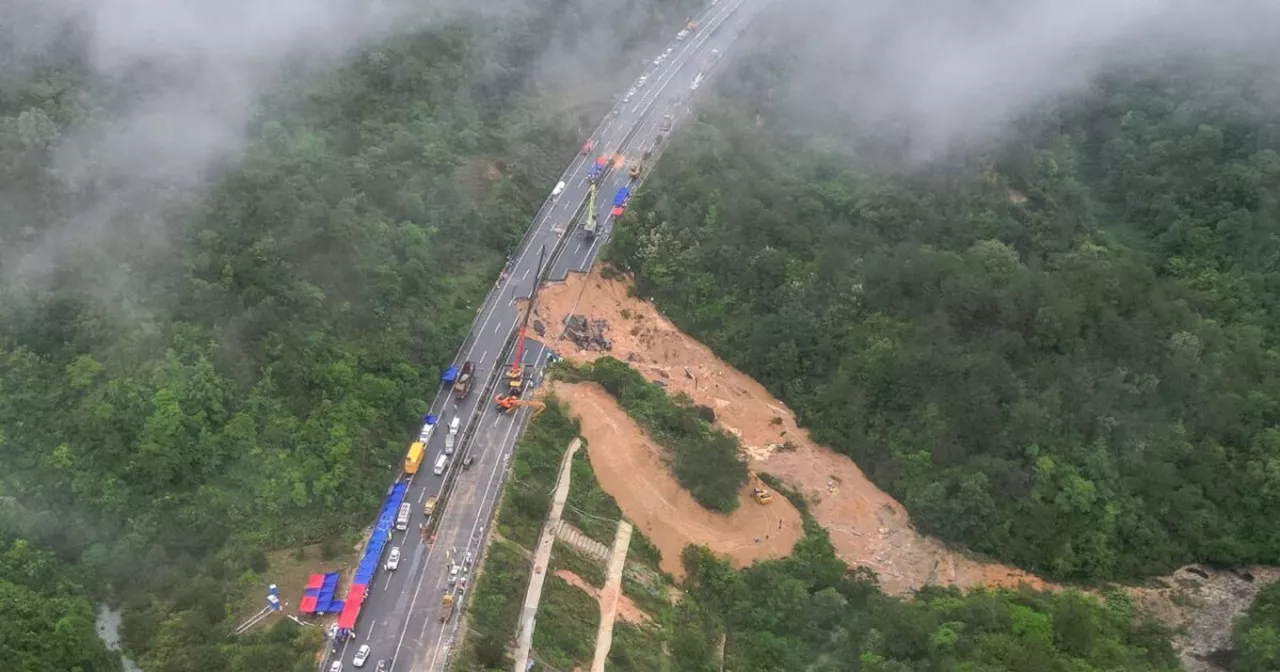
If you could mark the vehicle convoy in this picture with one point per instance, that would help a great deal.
(414, 459)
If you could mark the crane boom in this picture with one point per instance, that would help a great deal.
(516, 373)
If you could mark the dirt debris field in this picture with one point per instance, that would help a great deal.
(627, 610)
(628, 465)
(867, 526)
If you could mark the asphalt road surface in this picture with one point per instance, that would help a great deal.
(400, 617)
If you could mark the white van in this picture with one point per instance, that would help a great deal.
(557, 191)
(402, 519)
(455, 425)
(441, 462)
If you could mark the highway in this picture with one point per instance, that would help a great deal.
(400, 617)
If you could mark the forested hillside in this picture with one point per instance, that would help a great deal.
(48, 623)
(1058, 348)
(239, 371)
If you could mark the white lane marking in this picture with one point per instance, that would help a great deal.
(526, 273)
(496, 327)
(578, 248)
(582, 160)
(483, 356)
(422, 494)
(485, 504)
(369, 632)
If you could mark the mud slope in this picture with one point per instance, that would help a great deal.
(867, 526)
(630, 467)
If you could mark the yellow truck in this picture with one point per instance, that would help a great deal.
(414, 459)
(429, 507)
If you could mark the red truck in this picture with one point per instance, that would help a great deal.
(463, 385)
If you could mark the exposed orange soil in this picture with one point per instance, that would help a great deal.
(627, 610)
(867, 526)
(629, 466)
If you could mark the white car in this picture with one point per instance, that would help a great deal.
(640, 82)
(659, 59)
(336, 666)
(682, 34)
(362, 654)
(630, 92)
(454, 570)
(393, 560)
(667, 52)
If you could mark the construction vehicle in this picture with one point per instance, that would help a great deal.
(414, 459)
(589, 225)
(511, 403)
(762, 495)
(463, 384)
(516, 374)
(446, 606)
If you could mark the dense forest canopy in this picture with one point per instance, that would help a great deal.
(231, 367)
(1058, 347)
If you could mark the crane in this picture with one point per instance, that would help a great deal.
(510, 404)
(515, 375)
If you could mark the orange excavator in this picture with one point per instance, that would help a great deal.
(510, 404)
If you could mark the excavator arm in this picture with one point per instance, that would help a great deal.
(510, 404)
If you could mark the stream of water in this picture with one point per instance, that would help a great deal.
(108, 626)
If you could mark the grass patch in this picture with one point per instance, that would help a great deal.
(533, 475)
(633, 648)
(494, 610)
(289, 569)
(568, 618)
(705, 460)
(564, 556)
(596, 512)
(652, 599)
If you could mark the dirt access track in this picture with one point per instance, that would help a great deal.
(867, 526)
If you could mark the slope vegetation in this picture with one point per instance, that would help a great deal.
(1059, 350)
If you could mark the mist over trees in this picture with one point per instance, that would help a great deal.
(1056, 347)
(209, 357)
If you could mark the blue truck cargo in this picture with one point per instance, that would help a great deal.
(621, 197)
(450, 374)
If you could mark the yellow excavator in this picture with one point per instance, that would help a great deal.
(762, 495)
(511, 403)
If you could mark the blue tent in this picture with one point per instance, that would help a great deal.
(450, 374)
